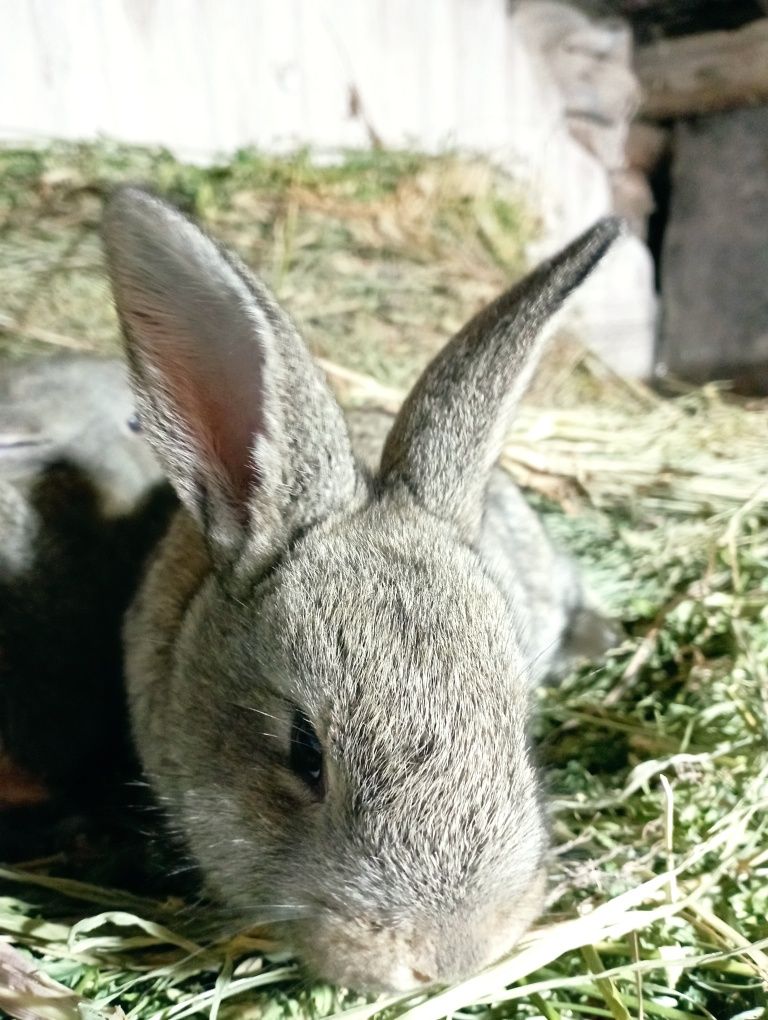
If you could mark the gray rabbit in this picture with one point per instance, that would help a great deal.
(329, 667)
(78, 409)
(82, 503)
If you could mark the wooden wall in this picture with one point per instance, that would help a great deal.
(207, 76)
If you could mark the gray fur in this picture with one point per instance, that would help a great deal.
(405, 611)
(449, 433)
(205, 338)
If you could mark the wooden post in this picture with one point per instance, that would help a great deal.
(705, 73)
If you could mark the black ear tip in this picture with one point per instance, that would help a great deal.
(576, 261)
(617, 223)
(601, 235)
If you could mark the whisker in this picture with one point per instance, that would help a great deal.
(259, 711)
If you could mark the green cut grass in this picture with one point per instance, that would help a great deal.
(656, 762)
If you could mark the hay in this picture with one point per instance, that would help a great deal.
(656, 763)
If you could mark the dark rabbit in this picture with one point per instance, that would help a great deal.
(329, 668)
(82, 502)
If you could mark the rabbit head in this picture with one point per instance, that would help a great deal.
(78, 409)
(327, 686)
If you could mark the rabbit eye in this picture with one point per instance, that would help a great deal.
(306, 756)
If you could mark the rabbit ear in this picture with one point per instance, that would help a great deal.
(229, 397)
(450, 430)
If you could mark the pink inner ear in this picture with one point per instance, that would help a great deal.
(208, 366)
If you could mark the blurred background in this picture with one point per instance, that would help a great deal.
(538, 116)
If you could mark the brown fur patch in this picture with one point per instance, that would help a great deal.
(18, 788)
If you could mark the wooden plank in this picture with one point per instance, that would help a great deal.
(705, 73)
(715, 258)
(208, 76)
